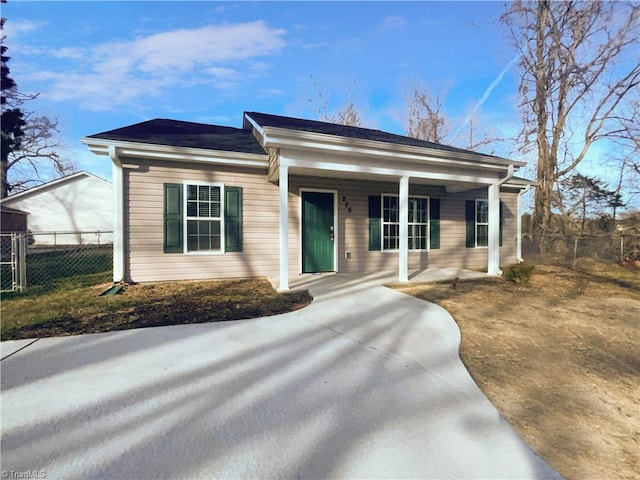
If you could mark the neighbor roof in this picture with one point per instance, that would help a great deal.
(290, 123)
(177, 133)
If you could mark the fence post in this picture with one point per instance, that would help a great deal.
(575, 251)
(23, 262)
(621, 248)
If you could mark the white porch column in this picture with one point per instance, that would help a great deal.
(403, 257)
(118, 215)
(284, 228)
(493, 267)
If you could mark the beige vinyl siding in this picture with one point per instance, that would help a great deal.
(144, 219)
(353, 228)
(144, 237)
(453, 252)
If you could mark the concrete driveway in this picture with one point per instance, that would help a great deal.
(364, 383)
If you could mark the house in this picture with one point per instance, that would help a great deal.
(12, 219)
(60, 209)
(283, 196)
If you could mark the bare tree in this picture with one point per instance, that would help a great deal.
(426, 119)
(348, 115)
(579, 66)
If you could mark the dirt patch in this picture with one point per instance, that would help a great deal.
(559, 359)
(152, 305)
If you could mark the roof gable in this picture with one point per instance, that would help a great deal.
(315, 126)
(177, 133)
(81, 175)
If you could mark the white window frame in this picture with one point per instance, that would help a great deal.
(187, 218)
(478, 224)
(427, 224)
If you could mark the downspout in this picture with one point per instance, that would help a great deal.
(493, 255)
(118, 215)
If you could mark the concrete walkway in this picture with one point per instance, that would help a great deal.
(364, 383)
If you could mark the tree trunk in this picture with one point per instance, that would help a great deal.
(4, 185)
(545, 169)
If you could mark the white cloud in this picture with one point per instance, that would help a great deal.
(119, 73)
(14, 28)
(393, 22)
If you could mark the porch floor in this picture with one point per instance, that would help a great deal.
(350, 282)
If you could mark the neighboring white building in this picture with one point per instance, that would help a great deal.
(58, 210)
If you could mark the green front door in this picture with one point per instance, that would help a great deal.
(317, 232)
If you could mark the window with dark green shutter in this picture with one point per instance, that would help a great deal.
(233, 219)
(434, 223)
(384, 223)
(375, 223)
(477, 223)
(200, 217)
(173, 218)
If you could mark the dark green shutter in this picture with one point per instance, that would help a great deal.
(470, 213)
(434, 223)
(501, 220)
(233, 219)
(173, 218)
(375, 223)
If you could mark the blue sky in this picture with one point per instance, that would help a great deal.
(104, 65)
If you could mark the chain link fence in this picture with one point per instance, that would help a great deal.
(50, 257)
(614, 247)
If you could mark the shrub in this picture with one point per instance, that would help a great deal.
(519, 273)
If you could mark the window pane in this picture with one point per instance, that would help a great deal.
(204, 243)
(192, 192)
(203, 210)
(192, 209)
(203, 192)
(483, 236)
(203, 235)
(215, 210)
(482, 211)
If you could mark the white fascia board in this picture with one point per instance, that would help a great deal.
(282, 138)
(177, 154)
(384, 171)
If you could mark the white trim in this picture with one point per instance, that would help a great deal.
(403, 257)
(399, 171)
(475, 223)
(118, 216)
(177, 154)
(279, 137)
(284, 227)
(335, 224)
(493, 254)
(186, 218)
(382, 223)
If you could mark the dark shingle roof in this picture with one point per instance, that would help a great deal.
(185, 134)
(268, 120)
